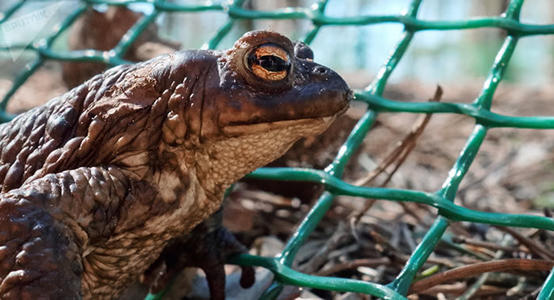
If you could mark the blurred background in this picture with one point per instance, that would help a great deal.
(447, 56)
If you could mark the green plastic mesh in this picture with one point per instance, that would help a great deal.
(442, 200)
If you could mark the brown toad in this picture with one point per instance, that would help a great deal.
(97, 182)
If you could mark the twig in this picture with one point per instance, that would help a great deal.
(487, 245)
(331, 244)
(529, 243)
(366, 262)
(373, 262)
(408, 237)
(397, 157)
(472, 290)
(459, 288)
(479, 268)
(518, 288)
(404, 147)
(497, 167)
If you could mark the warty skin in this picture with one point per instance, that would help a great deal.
(95, 183)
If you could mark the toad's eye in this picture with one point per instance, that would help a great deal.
(269, 62)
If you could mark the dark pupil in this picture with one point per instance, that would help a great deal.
(273, 63)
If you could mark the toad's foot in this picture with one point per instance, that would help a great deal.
(207, 247)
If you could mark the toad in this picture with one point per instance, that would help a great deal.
(115, 178)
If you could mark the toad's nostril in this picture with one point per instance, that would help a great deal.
(320, 70)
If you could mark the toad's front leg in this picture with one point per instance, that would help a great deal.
(47, 224)
(208, 247)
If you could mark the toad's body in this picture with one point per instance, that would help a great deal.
(95, 183)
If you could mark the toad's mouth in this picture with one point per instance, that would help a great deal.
(312, 125)
(315, 123)
(309, 110)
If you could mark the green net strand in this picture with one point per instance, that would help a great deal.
(5, 15)
(322, 205)
(41, 46)
(134, 32)
(352, 143)
(225, 29)
(331, 176)
(482, 116)
(547, 291)
(450, 186)
(317, 18)
(444, 205)
(318, 8)
(287, 275)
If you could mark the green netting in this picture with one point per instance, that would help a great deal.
(443, 199)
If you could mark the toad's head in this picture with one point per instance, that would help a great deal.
(267, 83)
(247, 105)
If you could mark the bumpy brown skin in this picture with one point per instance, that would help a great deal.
(95, 183)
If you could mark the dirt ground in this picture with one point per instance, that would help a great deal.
(513, 173)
